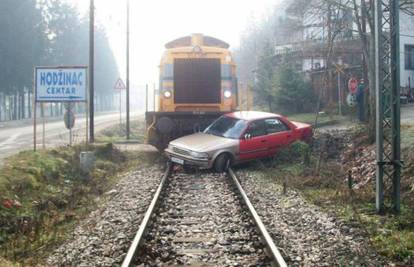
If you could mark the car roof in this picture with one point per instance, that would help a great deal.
(252, 115)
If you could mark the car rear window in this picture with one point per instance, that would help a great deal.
(275, 126)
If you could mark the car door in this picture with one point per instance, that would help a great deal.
(253, 143)
(279, 135)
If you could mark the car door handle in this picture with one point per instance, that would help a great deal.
(264, 141)
(288, 136)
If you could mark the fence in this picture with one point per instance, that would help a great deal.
(19, 106)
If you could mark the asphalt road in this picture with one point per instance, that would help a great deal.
(18, 136)
(15, 138)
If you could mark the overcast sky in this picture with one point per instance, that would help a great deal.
(156, 22)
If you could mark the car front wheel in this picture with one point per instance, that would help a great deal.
(222, 163)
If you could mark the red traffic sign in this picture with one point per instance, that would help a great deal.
(119, 85)
(352, 85)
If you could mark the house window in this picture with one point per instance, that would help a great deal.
(409, 57)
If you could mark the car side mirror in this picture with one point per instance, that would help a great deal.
(247, 136)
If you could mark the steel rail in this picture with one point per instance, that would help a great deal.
(145, 222)
(272, 249)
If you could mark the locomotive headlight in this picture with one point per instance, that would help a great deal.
(227, 94)
(167, 94)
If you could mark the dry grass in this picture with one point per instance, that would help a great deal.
(44, 194)
(117, 132)
(327, 186)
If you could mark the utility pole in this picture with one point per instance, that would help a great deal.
(127, 75)
(387, 87)
(91, 71)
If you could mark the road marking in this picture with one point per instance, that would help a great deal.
(9, 140)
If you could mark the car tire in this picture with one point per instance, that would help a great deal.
(222, 163)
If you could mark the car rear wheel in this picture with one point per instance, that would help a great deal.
(222, 163)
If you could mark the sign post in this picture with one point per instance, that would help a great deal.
(58, 84)
(119, 86)
(339, 69)
(34, 112)
(42, 111)
(69, 119)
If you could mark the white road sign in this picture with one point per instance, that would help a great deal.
(60, 84)
(119, 85)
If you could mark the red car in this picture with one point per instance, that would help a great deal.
(237, 137)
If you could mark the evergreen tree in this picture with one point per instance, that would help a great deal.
(49, 33)
(22, 45)
(292, 92)
(264, 76)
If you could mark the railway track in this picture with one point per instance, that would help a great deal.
(202, 219)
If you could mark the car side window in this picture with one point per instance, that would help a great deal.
(275, 126)
(256, 128)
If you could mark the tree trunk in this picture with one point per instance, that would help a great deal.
(29, 104)
(372, 97)
(15, 106)
(23, 100)
(269, 103)
(1, 106)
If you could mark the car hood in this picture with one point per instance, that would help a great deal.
(202, 142)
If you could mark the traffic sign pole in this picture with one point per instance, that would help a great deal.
(127, 75)
(34, 112)
(43, 126)
(146, 98)
(119, 86)
(91, 70)
(70, 128)
(120, 108)
(339, 94)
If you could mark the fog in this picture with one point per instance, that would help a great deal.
(154, 23)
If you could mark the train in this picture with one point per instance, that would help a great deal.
(197, 85)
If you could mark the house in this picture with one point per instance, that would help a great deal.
(309, 54)
(407, 54)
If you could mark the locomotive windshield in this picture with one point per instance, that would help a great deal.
(197, 80)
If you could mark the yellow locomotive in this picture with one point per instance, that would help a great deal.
(197, 84)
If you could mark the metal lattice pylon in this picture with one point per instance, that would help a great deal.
(387, 86)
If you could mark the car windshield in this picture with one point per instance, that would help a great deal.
(226, 127)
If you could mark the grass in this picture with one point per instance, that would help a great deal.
(391, 235)
(117, 133)
(44, 194)
(310, 118)
(407, 135)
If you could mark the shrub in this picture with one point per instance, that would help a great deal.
(295, 152)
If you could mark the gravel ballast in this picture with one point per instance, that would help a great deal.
(200, 222)
(306, 235)
(104, 237)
